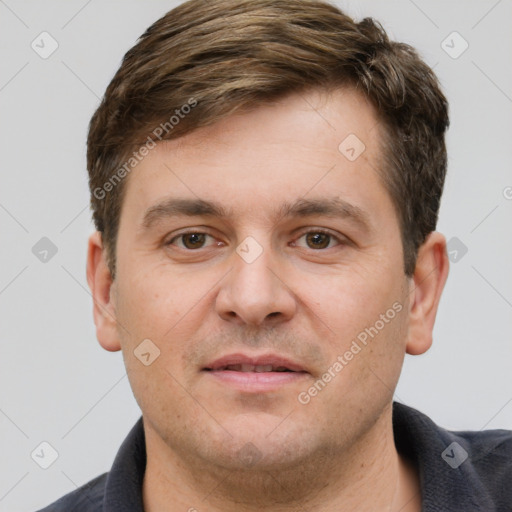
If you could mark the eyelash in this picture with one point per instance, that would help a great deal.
(313, 231)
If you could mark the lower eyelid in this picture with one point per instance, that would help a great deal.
(175, 238)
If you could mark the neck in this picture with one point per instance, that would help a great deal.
(369, 475)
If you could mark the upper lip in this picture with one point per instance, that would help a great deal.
(275, 360)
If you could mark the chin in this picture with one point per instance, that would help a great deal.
(264, 442)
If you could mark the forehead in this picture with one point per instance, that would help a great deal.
(303, 146)
(314, 120)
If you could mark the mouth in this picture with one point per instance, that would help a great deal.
(255, 373)
(260, 368)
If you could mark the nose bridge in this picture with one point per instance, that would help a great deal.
(253, 293)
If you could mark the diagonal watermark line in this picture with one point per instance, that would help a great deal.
(489, 283)
(377, 123)
(384, 384)
(80, 79)
(492, 81)
(284, 488)
(202, 297)
(209, 494)
(414, 496)
(318, 112)
(94, 300)
(14, 76)
(281, 422)
(13, 217)
(487, 450)
(397, 399)
(15, 424)
(84, 492)
(424, 13)
(508, 401)
(423, 280)
(5, 495)
(81, 419)
(198, 402)
(181, 181)
(12, 12)
(372, 167)
(76, 14)
(481, 222)
(12, 280)
(486, 14)
(74, 218)
(304, 195)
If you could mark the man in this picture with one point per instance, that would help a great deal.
(265, 182)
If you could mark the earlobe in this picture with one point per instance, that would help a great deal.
(101, 285)
(427, 284)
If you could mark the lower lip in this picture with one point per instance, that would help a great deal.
(257, 381)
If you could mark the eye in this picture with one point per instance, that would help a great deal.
(318, 239)
(315, 239)
(192, 240)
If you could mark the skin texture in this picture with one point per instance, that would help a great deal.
(211, 445)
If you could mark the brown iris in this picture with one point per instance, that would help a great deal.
(196, 240)
(319, 240)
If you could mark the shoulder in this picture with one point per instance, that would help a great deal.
(489, 453)
(480, 448)
(87, 498)
(459, 469)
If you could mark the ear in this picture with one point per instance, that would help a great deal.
(102, 287)
(427, 284)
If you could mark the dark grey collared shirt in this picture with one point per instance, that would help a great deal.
(459, 471)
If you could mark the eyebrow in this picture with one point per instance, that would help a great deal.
(332, 207)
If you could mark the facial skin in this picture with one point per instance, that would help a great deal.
(217, 445)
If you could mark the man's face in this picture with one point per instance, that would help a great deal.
(279, 281)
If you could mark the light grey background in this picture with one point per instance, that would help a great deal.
(57, 384)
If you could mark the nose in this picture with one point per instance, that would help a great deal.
(256, 293)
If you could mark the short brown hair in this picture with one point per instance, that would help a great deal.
(215, 58)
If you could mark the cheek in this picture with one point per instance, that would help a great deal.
(351, 300)
(367, 317)
(152, 303)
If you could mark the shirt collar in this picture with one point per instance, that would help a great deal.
(430, 448)
(416, 437)
(123, 488)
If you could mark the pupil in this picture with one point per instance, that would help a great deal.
(318, 238)
(194, 238)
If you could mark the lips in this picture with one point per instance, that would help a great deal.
(258, 364)
(253, 368)
(255, 374)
